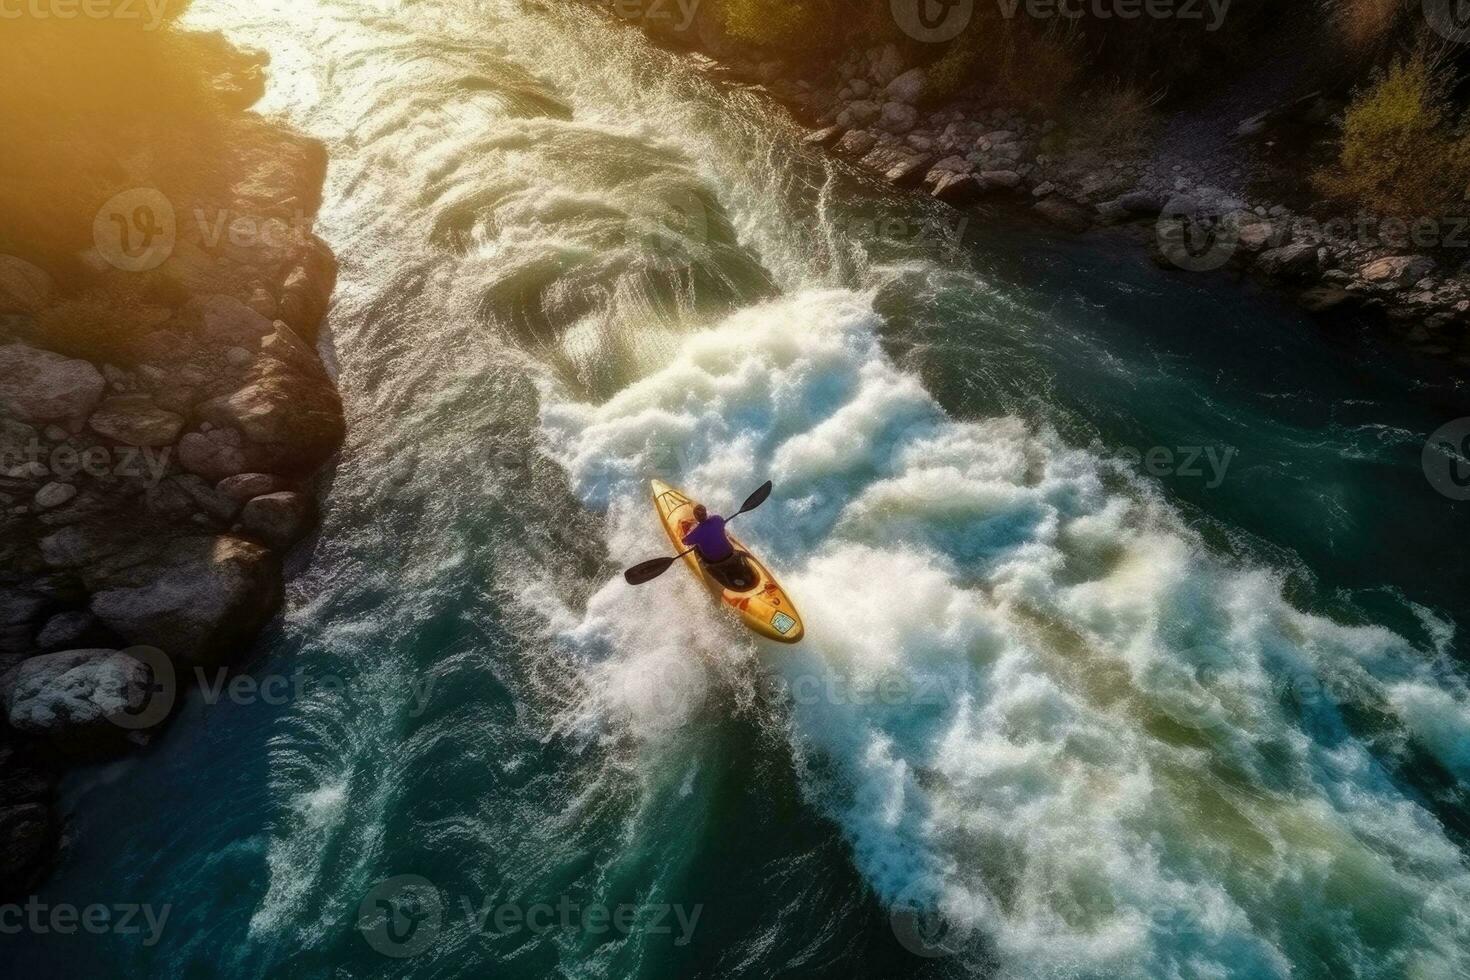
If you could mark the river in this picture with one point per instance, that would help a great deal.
(1134, 628)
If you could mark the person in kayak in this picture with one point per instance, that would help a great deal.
(707, 537)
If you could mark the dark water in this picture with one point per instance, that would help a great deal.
(1057, 714)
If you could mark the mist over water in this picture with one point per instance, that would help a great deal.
(1087, 722)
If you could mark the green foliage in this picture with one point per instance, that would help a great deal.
(1401, 153)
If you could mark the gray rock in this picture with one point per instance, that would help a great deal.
(200, 601)
(1295, 261)
(856, 143)
(860, 87)
(908, 87)
(909, 173)
(54, 494)
(66, 630)
(244, 486)
(39, 386)
(238, 357)
(954, 188)
(898, 117)
(134, 420)
(887, 65)
(226, 320)
(999, 180)
(213, 455)
(859, 113)
(220, 506)
(17, 607)
(280, 519)
(75, 694)
(824, 137)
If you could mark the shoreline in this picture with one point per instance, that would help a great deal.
(1404, 279)
(166, 417)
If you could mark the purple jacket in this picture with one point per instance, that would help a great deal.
(709, 537)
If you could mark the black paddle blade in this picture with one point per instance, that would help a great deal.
(648, 571)
(755, 499)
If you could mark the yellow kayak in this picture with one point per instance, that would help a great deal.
(748, 588)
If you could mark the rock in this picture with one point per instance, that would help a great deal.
(213, 455)
(280, 519)
(1323, 299)
(1295, 261)
(1397, 271)
(1142, 204)
(244, 486)
(919, 142)
(53, 495)
(220, 506)
(306, 294)
(24, 288)
(898, 118)
(17, 608)
(238, 357)
(67, 630)
(39, 386)
(200, 600)
(859, 113)
(908, 87)
(824, 137)
(1063, 214)
(909, 173)
(860, 87)
(72, 697)
(226, 320)
(290, 423)
(999, 180)
(888, 65)
(1044, 189)
(957, 189)
(856, 143)
(133, 420)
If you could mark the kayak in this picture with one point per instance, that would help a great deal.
(750, 590)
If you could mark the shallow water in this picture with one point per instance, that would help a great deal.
(1057, 714)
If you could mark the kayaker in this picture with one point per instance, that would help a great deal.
(708, 537)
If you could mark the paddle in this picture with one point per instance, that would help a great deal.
(649, 570)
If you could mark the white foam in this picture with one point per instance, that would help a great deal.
(1041, 704)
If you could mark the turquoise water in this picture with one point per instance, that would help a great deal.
(1056, 715)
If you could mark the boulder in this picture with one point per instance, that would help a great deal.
(224, 319)
(1397, 271)
(200, 600)
(1142, 204)
(67, 630)
(908, 87)
(214, 455)
(856, 143)
(24, 288)
(898, 118)
(134, 420)
(908, 173)
(53, 495)
(955, 188)
(859, 113)
(279, 519)
(885, 157)
(290, 423)
(220, 506)
(999, 180)
(1324, 299)
(244, 486)
(887, 64)
(1295, 261)
(18, 607)
(827, 136)
(39, 386)
(72, 697)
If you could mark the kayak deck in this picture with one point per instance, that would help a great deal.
(764, 606)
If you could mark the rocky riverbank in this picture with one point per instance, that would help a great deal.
(157, 455)
(1223, 208)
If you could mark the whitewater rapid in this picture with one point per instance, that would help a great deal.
(1032, 698)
